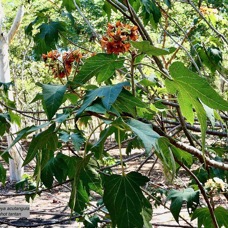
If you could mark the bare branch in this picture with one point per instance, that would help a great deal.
(16, 24)
(95, 34)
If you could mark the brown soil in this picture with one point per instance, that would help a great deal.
(50, 208)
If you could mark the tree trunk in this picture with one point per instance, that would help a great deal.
(15, 164)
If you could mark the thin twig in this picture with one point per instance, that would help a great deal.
(202, 191)
(207, 22)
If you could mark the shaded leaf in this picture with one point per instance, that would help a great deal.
(177, 198)
(52, 96)
(77, 140)
(145, 132)
(2, 174)
(46, 139)
(108, 95)
(57, 167)
(125, 201)
(151, 13)
(204, 217)
(26, 131)
(47, 37)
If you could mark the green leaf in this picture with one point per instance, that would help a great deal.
(182, 156)
(177, 198)
(77, 140)
(164, 152)
(101, 65)
(4, 123)
(191, 90)
(151, 13)
(2, 174)
(125, 201)
(52, 96)
(48, 36)
(85, 179)
(127, 103)
(107, 9)
(46, 139)
(54, 167)
(145, 132)
(205, 220)
(15, 118)
(221, 215)
(147, 48)
(68, 4)
(108, 95)
(168, 3)
(192, 87)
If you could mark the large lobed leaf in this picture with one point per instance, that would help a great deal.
(205, 220)
(57, 167)
(48, 36)
(177, 198)
(45, 140)
(145, 132)
(125, 201)
(147, 48)
(191, 90)
(52, 96)
(101, 65)
(108, 95)
(85, 178)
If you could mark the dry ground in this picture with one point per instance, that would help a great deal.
(51, 206)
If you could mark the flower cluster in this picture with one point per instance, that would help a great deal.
(61, 64)
(118, 36)
(216, 184)
(208, 11)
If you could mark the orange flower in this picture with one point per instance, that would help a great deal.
(61, 70)
(118, 37)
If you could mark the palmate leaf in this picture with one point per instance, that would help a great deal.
(85, 178)
(125, 201)
(108, 95)
(147, 48)
(45, 140)
(191, 90)
(77, 140)
(151, 13)
(57, 167)
(26, 131)
(48, 36)
(145, 132)
(205, 220)
(127, 103)
(101, 65)
(52, 96)
(177, 198)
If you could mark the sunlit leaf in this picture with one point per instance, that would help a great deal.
(101, 65)
(147, 48)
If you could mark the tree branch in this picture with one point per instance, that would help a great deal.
(16, 24)
(207, 22)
